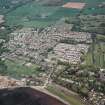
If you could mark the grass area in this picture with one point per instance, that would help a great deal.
(18, 69)
(89, 59)
(37, 24)
(70, 98)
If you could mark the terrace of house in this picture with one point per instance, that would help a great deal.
(7, 82)
(1, 19)
(28, 42)
(70, 53)
(64, 34)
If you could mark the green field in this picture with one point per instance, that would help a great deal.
(68, 97)
(17, 69)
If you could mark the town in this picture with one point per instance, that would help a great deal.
(52, 52)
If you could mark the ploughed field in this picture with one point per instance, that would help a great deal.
(76, 5)
(26, 96)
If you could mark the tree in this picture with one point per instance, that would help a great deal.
(84, 91)
(93, 46)
(67, 20)
(3, 67)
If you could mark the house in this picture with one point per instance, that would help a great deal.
(102, 74)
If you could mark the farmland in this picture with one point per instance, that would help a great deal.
(98, 53)
(44, 13)
(35, 14)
